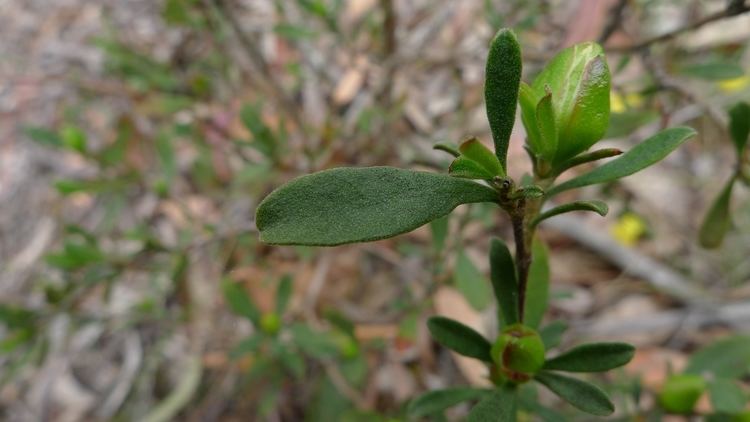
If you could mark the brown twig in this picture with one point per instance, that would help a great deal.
(734, 8)
(256, 58)
(614, 21)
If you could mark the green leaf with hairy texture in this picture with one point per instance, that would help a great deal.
(459, 338)
(719, 218)
(504, 281)
(598, 207)
(545, 120)
(471, 283)
(537, 290)
(499, 406)
(582, 395)
(739, 125)
(476, 151)
(552, 333)
(438, 400)
(502, 78)
(726, 396)
(346, 205)
(239, 302)
(639, 157)
(528, 101)
(592, 357)
(579, 80)
(726, 358)
(467, 168)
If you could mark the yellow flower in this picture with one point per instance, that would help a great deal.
(628, 229)
(620, 104)
(734, 84)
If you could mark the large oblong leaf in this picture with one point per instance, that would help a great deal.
(739, 125)
(500, 406)
(459, 338)
(639, 157)
(592, 357)
(502, 79)
(718, 220)
(439, 400)
(587, 397)
(346, 205)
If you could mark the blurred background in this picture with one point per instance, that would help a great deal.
(137, 138)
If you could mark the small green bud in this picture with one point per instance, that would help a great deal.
(347, 346)
(518, 352)
(680, 393)
(270, 323)
(566, 109)
(74, 138)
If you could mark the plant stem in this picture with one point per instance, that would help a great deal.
(523, 212)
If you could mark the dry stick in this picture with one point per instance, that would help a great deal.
(668, 82)
(735, 314)
(630, 261)
(734, 8)
(256, 57)
(614, 21)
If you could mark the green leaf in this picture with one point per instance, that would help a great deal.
(598, 207)
(639, 157)
(528, 101)
(579, 80)
(436, 401)
(585, 158)
(439, 229)
(43, 136)
(476, 151)
(502, 79)
(239, 302)
(582, 395)
(449, 148)
(347, 205)
(545, 119)
(283, 293)
(718, 219)
(681, 392)
(504, 281)
(459, 338)
(739, 125)
(552, 333)
(714, 70)
(726, 396)
(726, 358)
(315, 343)
(592, 357)
(537, 290)
(500, 406)
(471, 283)
(467, 168)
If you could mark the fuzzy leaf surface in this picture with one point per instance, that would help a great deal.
(502, 79)
(438, 400)
(346, 205)
(584, 396)
(500, 406)
(459, 338)
(592, 357)
(639, 157)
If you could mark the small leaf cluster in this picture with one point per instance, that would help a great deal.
(718, 219)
